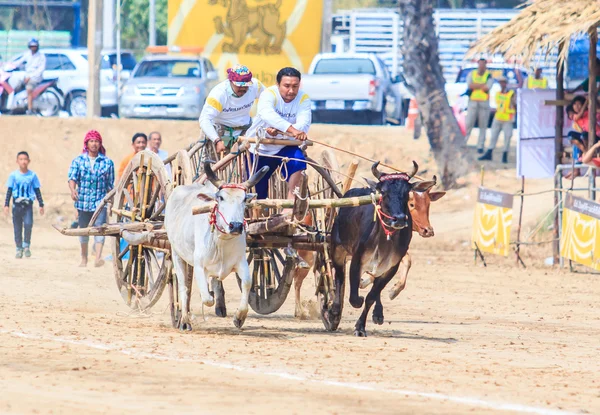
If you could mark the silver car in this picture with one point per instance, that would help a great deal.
(166, 86)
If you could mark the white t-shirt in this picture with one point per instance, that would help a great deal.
(92, 162)
(223, 107)
(274, 112)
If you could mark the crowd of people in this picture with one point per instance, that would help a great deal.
(480, 82)
(283, 112)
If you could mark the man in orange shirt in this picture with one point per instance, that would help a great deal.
(138, 142)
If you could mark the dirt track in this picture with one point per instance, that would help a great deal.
(460, 339)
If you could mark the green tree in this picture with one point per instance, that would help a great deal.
(134, 23)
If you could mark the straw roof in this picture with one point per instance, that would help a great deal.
(541, 26)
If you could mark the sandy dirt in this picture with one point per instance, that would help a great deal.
(459, 339)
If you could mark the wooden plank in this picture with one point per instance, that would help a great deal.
(110, 229)
(275, 224)
(288, 203)
(350, 176)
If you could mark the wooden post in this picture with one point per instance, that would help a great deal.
(593, 89)
(94, 45)
(518, 247)
(592, 96)
(327, 26)
(558, 136)
(349, 176)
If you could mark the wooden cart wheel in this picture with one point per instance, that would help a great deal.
(323, 269)
(183, 174)
(272, 276)
(141, 271)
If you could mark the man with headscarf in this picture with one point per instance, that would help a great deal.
(226, 113)
(91, 177)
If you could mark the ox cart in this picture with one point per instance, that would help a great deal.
(141, 252)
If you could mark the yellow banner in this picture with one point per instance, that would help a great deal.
(580, 238)
(265, 35)
(492, 222)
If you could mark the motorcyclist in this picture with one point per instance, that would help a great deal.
(34, 70)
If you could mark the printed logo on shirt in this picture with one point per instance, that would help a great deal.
(286, 115)
(235, 109)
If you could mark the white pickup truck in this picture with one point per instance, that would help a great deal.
(351, 87)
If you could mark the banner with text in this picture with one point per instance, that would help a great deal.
(492, 222)
(580, 239)
(536, 130)
(265, 35)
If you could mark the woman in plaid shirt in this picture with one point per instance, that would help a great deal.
(91, 177)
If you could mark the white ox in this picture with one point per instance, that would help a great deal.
(214, 244)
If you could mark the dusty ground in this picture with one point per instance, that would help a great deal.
(460, 339)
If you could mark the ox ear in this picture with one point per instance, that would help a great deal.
(207, 197)
(372, 184)
(436, 195)
(423, 186)
(250, 196)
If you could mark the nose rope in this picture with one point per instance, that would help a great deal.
(380, 214)
(212, 219)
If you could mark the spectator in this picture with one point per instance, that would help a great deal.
(138, 142)
(577, 112)
(537, 81)
(24, 187)
(34, 70)
(503, 120)
(480, 82)
(154, 143)
(91, 177)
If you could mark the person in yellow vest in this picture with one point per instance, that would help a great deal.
(506, 105)
(479, 83)
(537, 81)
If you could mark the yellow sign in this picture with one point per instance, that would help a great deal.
(265, 35)
(492, 222)
(580, 239)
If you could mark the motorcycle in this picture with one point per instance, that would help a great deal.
(48, 99)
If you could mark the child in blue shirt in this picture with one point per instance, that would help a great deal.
(24, 187)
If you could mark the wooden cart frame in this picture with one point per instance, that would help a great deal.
(141, 251)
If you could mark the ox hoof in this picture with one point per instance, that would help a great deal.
(209, 302)
(221, 311)
(360, 333)
(238, 322)
(185, 327)
(357, 302)
(378, 319)
(365, 282)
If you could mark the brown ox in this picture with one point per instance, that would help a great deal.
(418, 204)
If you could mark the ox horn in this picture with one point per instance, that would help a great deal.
(256, 177)
(415, 169)
(211, 176)
(376, 171)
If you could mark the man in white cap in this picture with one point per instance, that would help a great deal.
(226, 113)
(506, 105)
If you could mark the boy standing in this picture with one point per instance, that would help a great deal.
(24, 187)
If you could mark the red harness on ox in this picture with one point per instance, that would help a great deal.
(387, 229)
(212, 219)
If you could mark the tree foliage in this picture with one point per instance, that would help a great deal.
(134, 23)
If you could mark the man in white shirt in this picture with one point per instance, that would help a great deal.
(282, 108)
(34, 69)
(154, 143)
(226, 113)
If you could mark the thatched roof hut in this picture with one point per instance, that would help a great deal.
(546, 26)
(542, 25)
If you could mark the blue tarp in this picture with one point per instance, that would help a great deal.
(577, 62)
